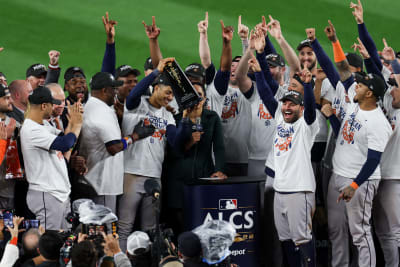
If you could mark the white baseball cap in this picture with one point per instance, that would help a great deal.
(138, 243)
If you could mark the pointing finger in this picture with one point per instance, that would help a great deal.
(264, 23)
(222, 25)
(154, 21)
(206, 19)
(240, 20)
(270, 18)
(385, 43)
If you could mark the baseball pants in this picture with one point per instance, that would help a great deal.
(386, 215)
(293, 216)
(109, 201)
(134, 200)
(50, 211)
(355, 216)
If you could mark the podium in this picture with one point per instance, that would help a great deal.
(236, 200)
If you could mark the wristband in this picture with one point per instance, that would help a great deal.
(123, 140)
(395, 66)
(354, 185)
(14, 241)
(54, 67)
(338, 53)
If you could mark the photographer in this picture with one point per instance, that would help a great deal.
(189, 250)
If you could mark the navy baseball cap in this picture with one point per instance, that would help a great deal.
(293, 96)
(103, 80)
(195, 70)
(275, 60)
(41, 95)
(163, 79)
(355, 60)
(189, 244)
(125, 70)
(36, 70)
(372, 81)
(4, 91)
(304, 43)
(73, 72)
(148, 65)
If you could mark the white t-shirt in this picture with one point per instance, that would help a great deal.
(145, 157)
(45, 169)
(391, 156)
(100, 125)
(262, 128)
(235, 113)
(360, 130)
(292, 154)
(328, 93)
(342, 99)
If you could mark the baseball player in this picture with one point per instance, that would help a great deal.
(385, 212)
(294, 201)
(45, 166)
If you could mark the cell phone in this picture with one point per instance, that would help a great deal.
(8, 219)
(27, 224)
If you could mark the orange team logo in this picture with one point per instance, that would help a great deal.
(160, 125)
(349, 128)
(230, 112)
(263, 114)
(393, 122)
(284, 140)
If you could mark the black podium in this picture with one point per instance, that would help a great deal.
(236, 200)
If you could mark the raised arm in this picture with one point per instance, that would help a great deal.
(323, 59)
(340, 58)
(309, 99)
(274, 29)
(263, 89)
(54, 68)
(109, 58)
(226, 56)
(204, 48)
(388, 54)
(367, 40)
(152, 32)
(243, 32)
(244, 82)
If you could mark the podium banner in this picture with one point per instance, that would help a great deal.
(239, 204)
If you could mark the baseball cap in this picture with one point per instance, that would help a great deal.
(73, 72)
(125, 70)
(138, 243)
(398, 55)
(189, 244)
(102, 80)
(372, 81)
(303, 44)
(2, 74)
(236, 59)
(355, 60)
(275, 60)
(293, 96)
(41, 95)
(148, 64)
(36, 70)
(163, 79)
(4, 91)
(195, 70)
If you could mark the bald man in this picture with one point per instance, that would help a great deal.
(58, 93)
(19, 90)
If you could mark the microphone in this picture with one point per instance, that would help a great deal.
(197, 127)
(152, 188)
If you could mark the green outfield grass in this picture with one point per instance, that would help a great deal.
(29, 29)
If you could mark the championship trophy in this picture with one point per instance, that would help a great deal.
(185, 94)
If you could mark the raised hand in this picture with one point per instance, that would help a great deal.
(259, 42)
(54, 55)
(202, 26)
(310, 34)
(163, 62)
(11, 127)
(243, 30)
(227, 32)
(274, 28)
(254, 65)
(152, 31)
(75, 113)
(357, 12)
(1, 49)
(305, 74)
(387, 52)
(109, 27)
(252, 41)
(361, 49)
(14, 231)
(330, 32)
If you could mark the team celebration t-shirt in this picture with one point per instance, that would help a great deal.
(145, 157)
(100, 126)
(45, 169)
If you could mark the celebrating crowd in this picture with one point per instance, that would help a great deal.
(322, 131)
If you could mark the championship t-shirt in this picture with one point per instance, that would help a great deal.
(145, 157)
(360, 130)
(292, 154)
(45, 169)
(235, 113)
(328, 93)
(100, 126)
